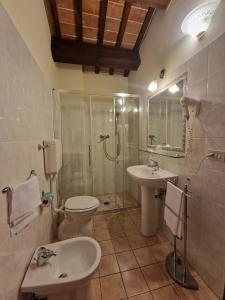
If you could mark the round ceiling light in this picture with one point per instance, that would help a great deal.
(153, 86)
(197, 21)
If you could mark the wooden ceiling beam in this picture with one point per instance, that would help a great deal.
(160, 4)
(97, 69)
(102, 19)
(68, 51)
(101, 26)
(52, 15)
(126, 73)
(111, 71)
(123, 23)
(144, 28)
(78, 19)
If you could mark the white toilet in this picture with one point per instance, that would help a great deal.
(78, 213)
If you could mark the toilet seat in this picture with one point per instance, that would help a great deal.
(81, 204)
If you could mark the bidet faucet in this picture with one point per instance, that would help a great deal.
(153, 164)
(43, 255)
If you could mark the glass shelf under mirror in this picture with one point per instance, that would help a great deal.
(162, 152)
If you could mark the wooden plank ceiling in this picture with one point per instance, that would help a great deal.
(100, 35)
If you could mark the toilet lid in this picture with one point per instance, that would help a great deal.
(81, 203)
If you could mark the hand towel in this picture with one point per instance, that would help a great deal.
(173, 213)
(23, 200)
(19, 226)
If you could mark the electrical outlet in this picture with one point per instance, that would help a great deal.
(217, 155)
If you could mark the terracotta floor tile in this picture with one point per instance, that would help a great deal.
(136, 218)
(166, 293)
(107, 247)
(161, 236)
(114, 226)
(132, 211)
(99, 222)
(110, 217)
(134, 282)
(194, 273)
(123, 268)
(95, 290)
(102, 234)
(152, 240)
(112, 287)
(160, 251)
(146, 296)
(136, 241)
(95, 274)
(121, 244)
(130, 229)
(108, 265)
(144, 256)
(126, 261)
(204, 293)
(162, 265)
(155, 277)
(117, 234)
(127, 221)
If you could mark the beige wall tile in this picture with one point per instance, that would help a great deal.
(206, 76)
(26, 118)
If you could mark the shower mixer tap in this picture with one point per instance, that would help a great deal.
(103, 137)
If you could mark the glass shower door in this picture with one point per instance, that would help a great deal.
(76, 140)
(128, 122)
(103, 150)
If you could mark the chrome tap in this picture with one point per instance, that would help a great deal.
(153, 164)
(43, 255)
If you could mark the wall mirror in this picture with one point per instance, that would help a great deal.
(166, 120)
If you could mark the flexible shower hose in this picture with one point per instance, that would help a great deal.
(107, 155)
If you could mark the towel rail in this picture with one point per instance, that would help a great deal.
(7, 188)
(185, 191)
(177, 267)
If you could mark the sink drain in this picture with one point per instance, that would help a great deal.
(63, 275)
(106, 202)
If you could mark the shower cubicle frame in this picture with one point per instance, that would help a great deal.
(94, 94)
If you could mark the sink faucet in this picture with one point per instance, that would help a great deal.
(153, 164)
(43, 255)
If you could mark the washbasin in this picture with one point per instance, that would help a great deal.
(75, 261)
(149, 179)
(147, 176)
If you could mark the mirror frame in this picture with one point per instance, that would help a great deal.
(181, 149)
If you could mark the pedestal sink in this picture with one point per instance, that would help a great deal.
(149, 179)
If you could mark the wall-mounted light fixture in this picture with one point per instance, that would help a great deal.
(174, 89)
(153, 86)
(198, 20)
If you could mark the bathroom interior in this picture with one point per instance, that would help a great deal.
(112, 149)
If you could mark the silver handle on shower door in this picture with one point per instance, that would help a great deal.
(89, 155)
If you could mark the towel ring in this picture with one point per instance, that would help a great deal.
(7, 188)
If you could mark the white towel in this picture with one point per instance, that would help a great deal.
(173, 213)
(24, 201)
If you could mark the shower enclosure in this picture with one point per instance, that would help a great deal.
(100, 138)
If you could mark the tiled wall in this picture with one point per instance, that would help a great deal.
(206, 80)
(25, 120)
